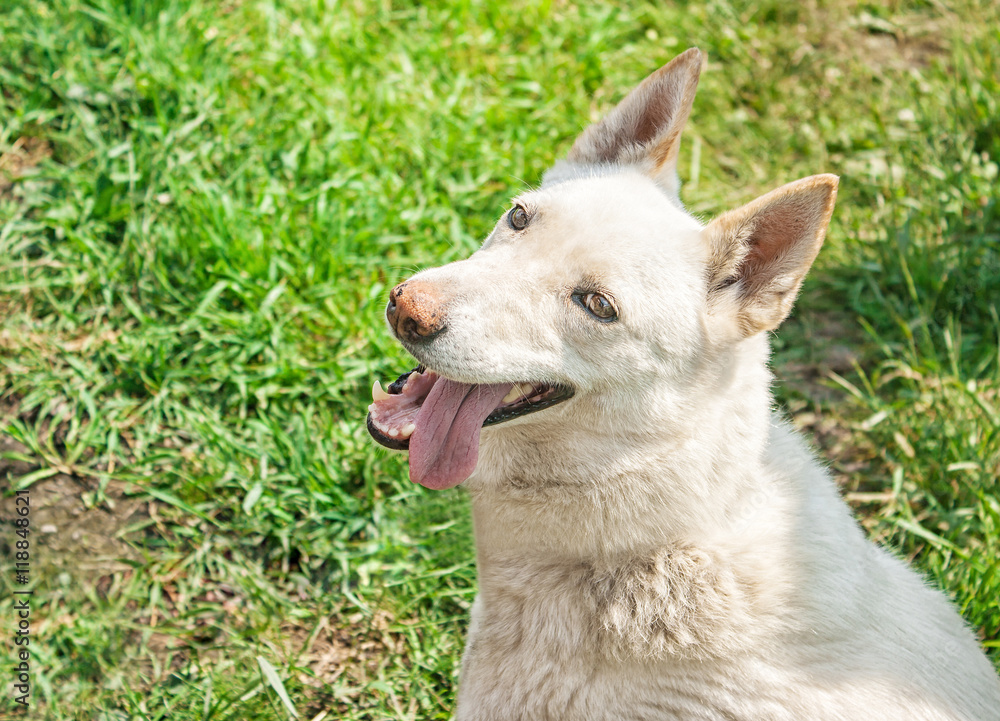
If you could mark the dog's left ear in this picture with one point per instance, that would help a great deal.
(760, 253)
(643, 130)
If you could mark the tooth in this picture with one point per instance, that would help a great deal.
(393, 432)
(513, 394)
(407, 430)
(528, 390)
(377, 393)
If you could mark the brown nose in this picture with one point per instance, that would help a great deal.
(415, 311)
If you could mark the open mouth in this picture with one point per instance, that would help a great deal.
(439, 420)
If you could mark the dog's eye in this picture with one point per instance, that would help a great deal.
(598, 306)
(518, 217)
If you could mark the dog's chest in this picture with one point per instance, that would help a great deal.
(566, 642)
(530, 657)
(556, 665)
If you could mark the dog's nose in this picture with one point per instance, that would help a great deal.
(415, 311)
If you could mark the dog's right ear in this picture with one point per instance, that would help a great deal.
(643, 130)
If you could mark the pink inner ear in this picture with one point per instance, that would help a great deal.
(656, 116)
(649, 118)
(637, 122)
(766, 247)
(774, 235)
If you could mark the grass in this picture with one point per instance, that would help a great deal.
(202, 206)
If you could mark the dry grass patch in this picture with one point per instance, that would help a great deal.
(20, 161)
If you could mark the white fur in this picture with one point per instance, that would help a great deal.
(662, 545)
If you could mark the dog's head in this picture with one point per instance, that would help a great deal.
(597, 299)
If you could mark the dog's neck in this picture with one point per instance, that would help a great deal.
(582, 489)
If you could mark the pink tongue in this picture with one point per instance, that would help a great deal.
(444, 446)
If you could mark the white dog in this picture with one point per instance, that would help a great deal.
(654, 542)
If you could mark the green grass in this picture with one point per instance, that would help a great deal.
(204, 204)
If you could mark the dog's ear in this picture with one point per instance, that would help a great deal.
(643, 130)
(760, 253)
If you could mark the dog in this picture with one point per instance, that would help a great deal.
(653, 540)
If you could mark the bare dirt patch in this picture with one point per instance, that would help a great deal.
(824, 343)
(70, 533)
(351, 648)
(887, 38)
(78, 525)
(24, 155)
